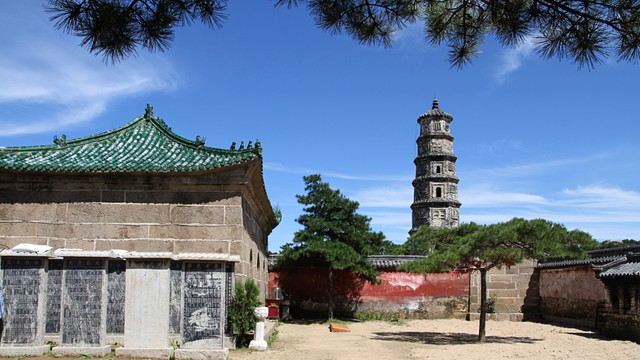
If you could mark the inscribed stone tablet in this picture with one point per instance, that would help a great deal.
(82, 315)
(54, 293)
(175, 298)
(228, 292)
(21, 286)
(116, 279)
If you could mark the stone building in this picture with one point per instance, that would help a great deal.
(135, 236)
(435, 199)
(621, 316)
(601, 291)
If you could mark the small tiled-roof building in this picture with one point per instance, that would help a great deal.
(600, 291)
(621, 317)
(134, 198)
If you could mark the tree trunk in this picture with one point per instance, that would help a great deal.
(330, 293)
(483, 303)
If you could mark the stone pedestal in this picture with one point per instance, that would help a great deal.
(258, 342)
(201, 354)
(17, 351)
(82, 350)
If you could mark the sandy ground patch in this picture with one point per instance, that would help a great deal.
(440, 339)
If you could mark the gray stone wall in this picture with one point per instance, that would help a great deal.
(222, 212)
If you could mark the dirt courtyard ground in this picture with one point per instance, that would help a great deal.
(440, 339)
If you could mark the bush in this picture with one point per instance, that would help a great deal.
(241, 317)
(383, 314)
(492, 301)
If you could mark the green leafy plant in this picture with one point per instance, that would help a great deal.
(272, 337)
(383, 314)
(491, 303)
(241, 316)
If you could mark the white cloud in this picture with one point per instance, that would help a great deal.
(484, 198)
(501, 174)
(393, 219)
(325, 175)
(500, 194)
(513, 59)
(603, 197)
(392, 196)
(76, 114)
(412, 36)
(606, 212)
(42, 68)
(502, 146)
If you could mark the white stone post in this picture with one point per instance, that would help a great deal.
(258, 342)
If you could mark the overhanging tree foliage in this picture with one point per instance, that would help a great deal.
(116, 28)
(334, 236)
(472, 247)
(584, 32)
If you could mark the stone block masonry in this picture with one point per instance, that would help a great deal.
(571, 294)
(515, 289)
(177, 214)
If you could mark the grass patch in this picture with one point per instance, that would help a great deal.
(383, 314)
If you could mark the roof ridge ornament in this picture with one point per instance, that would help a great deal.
(435, 103)
(241, 145)
(148, 112)
(200, 141)
(233, 146)
(60, 141)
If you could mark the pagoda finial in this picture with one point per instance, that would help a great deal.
(435, 103)
(148, 112)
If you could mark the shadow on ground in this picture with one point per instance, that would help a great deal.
(436, 338)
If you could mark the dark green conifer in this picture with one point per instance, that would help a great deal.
(473, 247)
(334, 235)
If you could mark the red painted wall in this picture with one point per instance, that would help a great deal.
(430, 295)
(401, 284)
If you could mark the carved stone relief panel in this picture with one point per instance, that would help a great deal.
(204, 304)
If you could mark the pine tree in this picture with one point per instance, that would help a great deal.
(473, 247)
(334, 236)
(583, 32)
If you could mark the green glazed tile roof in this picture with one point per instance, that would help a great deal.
(146, 144)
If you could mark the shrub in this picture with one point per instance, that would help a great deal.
(241, 317)
(383, 313)
(492, 301)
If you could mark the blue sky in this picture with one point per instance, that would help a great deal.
(534, 138)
